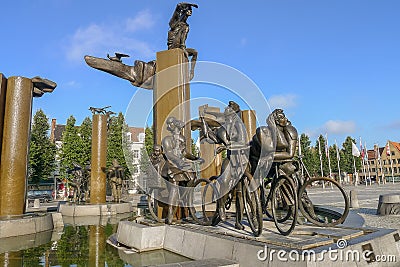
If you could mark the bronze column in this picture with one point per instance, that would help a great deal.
(99, 159)
(3, 87)
(171, 94)
(249, 120)
(14, 155)
(212, 162)
(97, 246)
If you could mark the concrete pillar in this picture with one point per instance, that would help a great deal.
(3, 87)
(99, 160)
(354, 199)
(171, 93)
(249, 120)
(14, 155)
(97, 246)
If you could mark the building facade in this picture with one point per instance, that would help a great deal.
(382, 164)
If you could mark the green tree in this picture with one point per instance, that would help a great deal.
(118, 146)
(309, 155)
(334, 158)
(346, 157)
(42, 151)
(320, 145)
(85, 134)
(149, 140)
(72, 147)
(147, 149)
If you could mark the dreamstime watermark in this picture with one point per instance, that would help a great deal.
(331, 254)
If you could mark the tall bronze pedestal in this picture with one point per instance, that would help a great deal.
(99, 160)
(14, 155)
(171, 96)
(171, 93)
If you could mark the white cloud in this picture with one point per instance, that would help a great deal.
(243, 41)
(339, 127)
(98, 40)
(282, 101)
(333, 127)
(143, 20)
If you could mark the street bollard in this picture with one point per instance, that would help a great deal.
(354, 199)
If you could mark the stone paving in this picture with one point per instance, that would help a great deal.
(368, 197)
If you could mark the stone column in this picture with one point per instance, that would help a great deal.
(249, 120)
(171, 93)
(14, 155)
(97, 246)
(99, 160)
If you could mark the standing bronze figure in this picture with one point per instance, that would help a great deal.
(179, 29)
(180, 163)
(116, 175)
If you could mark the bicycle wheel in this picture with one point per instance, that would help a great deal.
(252, 205)
(317, 209)
(284, 205)
(266, 204)
(202, 199)
(152, 205)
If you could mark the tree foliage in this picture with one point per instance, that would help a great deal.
(72, 147)
(118, 146)
(42, 150)
(311, 156)
(85, 134)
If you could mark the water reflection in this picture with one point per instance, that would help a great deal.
(77, 245)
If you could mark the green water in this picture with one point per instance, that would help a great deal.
(76, 246)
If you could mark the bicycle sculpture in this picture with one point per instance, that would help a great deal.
(263, 174)
(178, 168)
(287, 183)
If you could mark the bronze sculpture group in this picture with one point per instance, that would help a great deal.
(268, 159)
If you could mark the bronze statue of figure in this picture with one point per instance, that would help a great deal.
(158, 160)
(79, 183)
(180, 163)
(264, 153)
(116, 175)
(179, 29)
(231, 135)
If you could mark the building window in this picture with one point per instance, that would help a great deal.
(394, 161)
(394, 170)
(372, 162)
(135, 154)
(384, 162)
(386, 170)
(398, 161)
(141, 137)
(129, 137)
(373, 169)
(392, 153)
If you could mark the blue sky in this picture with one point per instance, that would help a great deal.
(333, 66)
